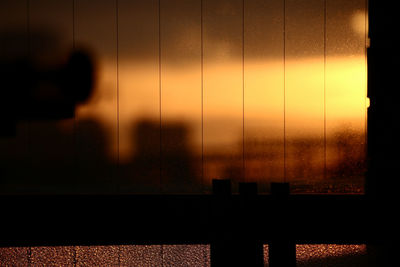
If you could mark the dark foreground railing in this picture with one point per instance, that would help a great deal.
(235, 224)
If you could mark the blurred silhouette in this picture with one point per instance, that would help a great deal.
(31, 89)
(169, 167)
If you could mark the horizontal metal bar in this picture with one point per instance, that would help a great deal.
(184, 219)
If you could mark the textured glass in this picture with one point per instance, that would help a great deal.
(223, 90)
(184, 255)
(139, 96)
(266, 255)
(264, 94)
(304, 91)
(331, 255)
(97, 255)
(97, 121)
(123, 255)
(143, 255)
(14, 256)
(181, 93)
(52, 256)
(346, 95)
(189, 91)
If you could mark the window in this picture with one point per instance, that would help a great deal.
(184, 92)
(190, 91)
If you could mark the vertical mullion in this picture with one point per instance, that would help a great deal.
(284, 91)
(117, 106)
(203, 183)
(243, 173)
(159, 91)
(325, 37)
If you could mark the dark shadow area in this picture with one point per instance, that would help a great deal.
(32, 89)
(336, 261)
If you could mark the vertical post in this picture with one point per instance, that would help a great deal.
(234, 243)
(250, 246)
(383, 129)
(221, 245)
(282, 250)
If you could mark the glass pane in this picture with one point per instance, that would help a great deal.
(139, 96)
(263, 95)
(14, 160)
(253, 90)
(346, 95)
(181, 128)
(51, 142)
(119, 255)
(97, 255)
(304, 92)
(97, 120)
(331, 255)
(143, 255)
(223, 90)
(186, 255)
(14, 256)
(51, 256)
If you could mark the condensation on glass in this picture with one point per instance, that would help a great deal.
(304, 92)
(122, 255)
(189, 91)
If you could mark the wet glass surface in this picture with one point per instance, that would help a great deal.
(331, 255)
(123, 255)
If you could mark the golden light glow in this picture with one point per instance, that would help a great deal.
(358, 22)
(139, 98)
